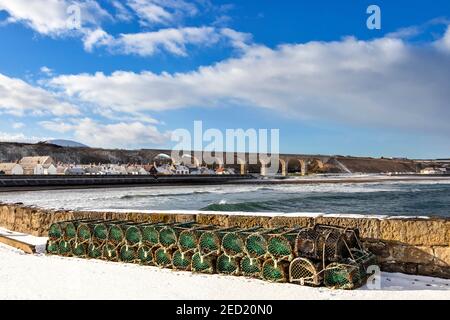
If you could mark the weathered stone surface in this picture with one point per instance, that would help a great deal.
(427, 232)
(380, 249)
(442, 256)
(249, 221)
(292, 221)
(412, 254)
(215, 219)
(369, 228)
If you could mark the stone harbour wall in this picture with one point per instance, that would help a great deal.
(410, 245)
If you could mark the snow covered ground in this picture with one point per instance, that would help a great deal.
(24, 276)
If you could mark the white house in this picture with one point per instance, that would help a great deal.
(180, 169)
(38, 165)
(11, 169)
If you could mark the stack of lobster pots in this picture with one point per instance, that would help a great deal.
(314, 256)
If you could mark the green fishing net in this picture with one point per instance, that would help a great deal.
(133, 235)
(79, 249)
(84, 232)
(274, 271)
(115, 234)
(100, 232)
(209, 242)
(55, 231)
(203, 264)
(150, 236)
(144, 254)
(256, 245)
(181, 261)
(227, 265)
(280, 247)
(52, 247)
(163, 258)
(70, 231)
(94, 251)
(342, 276)
(109, 252)
(251, 267)
(233, 244)
(188, 240)
(64, 248)
(127, 253)
(167, 237)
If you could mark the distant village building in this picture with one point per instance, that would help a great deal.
(431, 170)
(38, 165)
(180, 169)
(11, 169)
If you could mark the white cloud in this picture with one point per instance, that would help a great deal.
(20, 137)
(115, 135)
(385, 82)
(46, 70)
(162, 11)
(18, 125)
(173, 40)
(50, 17)
(19, 98)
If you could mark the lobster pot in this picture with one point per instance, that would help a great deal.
(281, 247)
(64, 248)
(364, 259)
(351, 235)
(343, 276)
(85, 230)
(188, 240)
(70, 228)
(133, 235)
(210, 241)
(309, 244)
(109, 252)
(305, 272)
(55, 232)
(116, 234)
(335, 248)
(251, 267)
(168, 235)
(163, 257)
(150, 235)
(274, 271)
(233, 243)
(79, 249)
(203, 264)
(52, 247)
(101, 230)
(128, 253)
(145, 255)
(228, 265)
(256, 244)
(182, 260)
(94, 250)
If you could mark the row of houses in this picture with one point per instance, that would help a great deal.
(47, 166)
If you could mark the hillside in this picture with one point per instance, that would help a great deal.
(11, 152)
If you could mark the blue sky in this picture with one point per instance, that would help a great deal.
(135, 70)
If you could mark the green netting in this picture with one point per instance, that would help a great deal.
(150, 235)
(64, 248)
(203, 264)
(116, 234)
(145, 255)
(274, 271)
(52, 247)
(209, 242)
(133, 235)
(127, 253)
(84, 232)
(233, 243)
(79, 249)
(167, 237)
(55, 231)
(251, 267)
(94, 251)
(256, 245)
(342, 276)
(228, 265)
(188, 240)
(280, 247)
(181, 260)
(70, 231)
(163, 257)
(100, 232)
(109, 252)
